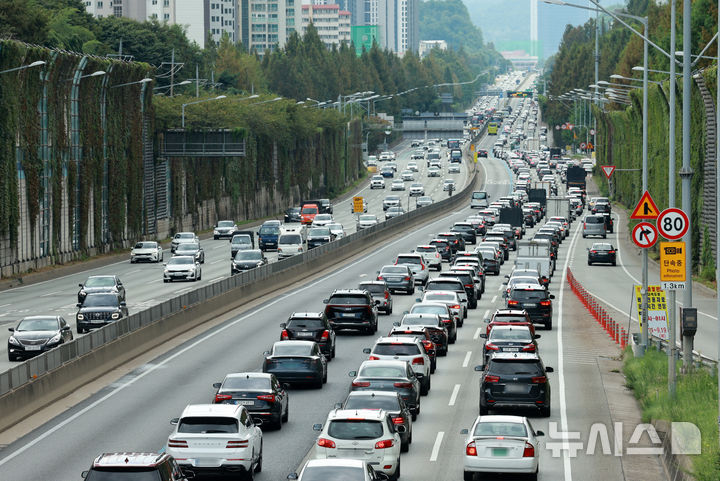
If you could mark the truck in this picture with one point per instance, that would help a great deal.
(538, 195)
(559, 207)
(513, 216)
(555, 153)
(455, 155)
(535, 254)
(575, 177)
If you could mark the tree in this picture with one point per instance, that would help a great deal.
(22, 21)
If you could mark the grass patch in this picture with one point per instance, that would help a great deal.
(696, 401)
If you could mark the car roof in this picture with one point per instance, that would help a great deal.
(371, 414)
(349, 291)
(294, 343)
(395, 340)
(527, 287)
(129, 460)
(248, 375)
(222, 410)
(513, 356)
(306, 315)
(346, 462)
(385, 362)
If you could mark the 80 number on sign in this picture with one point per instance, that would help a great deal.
(672, 223)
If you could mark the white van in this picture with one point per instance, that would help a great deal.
(479, 199)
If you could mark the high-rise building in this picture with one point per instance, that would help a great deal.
(397, 22)
(267, 24)
(332, 24)
(200, 17)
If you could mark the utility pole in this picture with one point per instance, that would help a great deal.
(686, 172)
(671, 197)
(172, 65)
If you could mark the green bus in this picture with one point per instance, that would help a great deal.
(492, 128)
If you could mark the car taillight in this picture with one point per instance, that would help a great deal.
(545, 303)
(455, 306)
(380, 278)
(222, 397)
(267, 397)
(529, 348)
(539, 380)
(428, 345)
(512, 303)
(611, 252)
(470, 449)
(361, 384)
(403, 385)
(437, 255)
(419, 360)
(384, 444)
(489, 346)
(237, 444)
(398, 420)
(529, 451)
(492, 379)
(584, 225)
(469, 285)
(422, 266)
(177, 443)
(284, 335)
(325, 443)
(593, 252)
(325, 335)
(373, 358)
(406, 278)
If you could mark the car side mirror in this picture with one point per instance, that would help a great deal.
(549, 369)
(406, 312)
(266, 353)
(174, 421)
(257, 422)
(539, 433)
(483, 335)
(78, 304)
(338, 405)
(80, 285)
(217, 385)
(552, 296)
(396, 324)
(317, 427)
(479, 368)
(377, 302)
(84, 474)
(366, 350)
(352, 373)
(165, 264)
(464, 431)
(420, 288)
(11, 329)
(123, 303)
(325, 301)
(537, 336)
(65, 328)
(381, 476)
(292, 476)
(283, 325)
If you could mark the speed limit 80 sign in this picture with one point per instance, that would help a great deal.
(672, 223)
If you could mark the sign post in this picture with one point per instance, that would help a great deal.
(672, 265)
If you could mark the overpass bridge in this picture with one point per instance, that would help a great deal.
(444, 125)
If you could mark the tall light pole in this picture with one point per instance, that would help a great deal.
(36, 63)
(197, 102)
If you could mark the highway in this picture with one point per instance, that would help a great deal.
(143, 281)
(132, 413)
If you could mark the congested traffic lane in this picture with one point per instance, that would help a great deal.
(143, 282)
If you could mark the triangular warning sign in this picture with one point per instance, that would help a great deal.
(646, 208)
(608, 169)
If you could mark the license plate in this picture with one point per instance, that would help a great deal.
(305, 334)
(347, 314)
(244, 403)
(500, 451)
(531, 304)
(33, 348)
(511, 349)
(515, 388)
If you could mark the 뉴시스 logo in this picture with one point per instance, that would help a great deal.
(685, 440)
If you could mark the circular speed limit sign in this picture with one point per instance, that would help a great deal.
(672, 223)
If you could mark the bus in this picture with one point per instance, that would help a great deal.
(453, 144)
(492, 128)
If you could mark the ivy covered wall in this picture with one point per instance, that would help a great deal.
(56, 147)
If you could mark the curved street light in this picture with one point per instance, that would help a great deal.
(36, 63)
(198, 102)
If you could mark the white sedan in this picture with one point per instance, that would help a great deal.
(501, 444)
(433, 172)
(149, 251)
(397, 184)
(366, 220)
(449, 184)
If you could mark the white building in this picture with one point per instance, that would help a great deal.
(397, 22)
(427, 45)
(267, 24)
(332, 24)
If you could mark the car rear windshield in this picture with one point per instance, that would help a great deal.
(355, 429)
(100, 282)
(309, 210)
(409, 260)
(500, 429)
(527, 295)
(241, 239)
(388, 403)
(428, 309)
(382, 371)
(373, 288)
(513, 367)
(510, 334)
(290, 349)
(123, 474)
(290, 239)
(594, 220)
(207, 425)
(396, 349)
(305, 324)
(426, 249)
(509, 318)
(440, 297)
(348, 299)
(246, 383)
(449, 285)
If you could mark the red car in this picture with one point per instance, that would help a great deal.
(308, 213)
(510, 317)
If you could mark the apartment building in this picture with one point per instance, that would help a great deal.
(267, 24)
(397, 22)
(332, 24)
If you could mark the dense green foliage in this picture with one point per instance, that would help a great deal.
(695, 402)
(620, 127)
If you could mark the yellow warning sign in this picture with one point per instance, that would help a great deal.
(646, 208)
(672, 262)
(657, 310)
(358, 205)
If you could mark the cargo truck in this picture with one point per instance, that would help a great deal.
(559, 207)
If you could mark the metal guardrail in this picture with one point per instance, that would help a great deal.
(34, 368)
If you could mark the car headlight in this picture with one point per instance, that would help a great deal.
(216, 232)
(56, 338)
(80, 317)
(115, 315)
(82, 293)
(166, 272)
(13, 341)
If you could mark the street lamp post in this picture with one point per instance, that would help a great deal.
(197, 102)
(36, 63)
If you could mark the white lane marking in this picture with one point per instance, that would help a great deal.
(51, 293)
(219, 261)
(478, 331)
(132, 271)
(487, 314)
(500, 287)
(220, 246)
(567, 468)
(494, 299)
(453, 396)
(181, 352)
(436, 446)
(466, 361)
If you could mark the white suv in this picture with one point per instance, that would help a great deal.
(216, 438)
(365, 434)
(408, 349)
(377, 182)
(416, 263)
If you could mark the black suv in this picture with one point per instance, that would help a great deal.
(472, 289)
(261, 393)
(318, 236)
(352, 309)
(95, 284)
(98, 310)
(444, 249)
(310, 326)
(537, 303)
(467, 230)
(514, 380)
(380, 292)
(135, 467)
